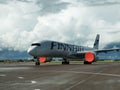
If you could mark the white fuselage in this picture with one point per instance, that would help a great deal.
(55, 49)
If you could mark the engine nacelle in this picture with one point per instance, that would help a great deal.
(44, 59)
(90, 57)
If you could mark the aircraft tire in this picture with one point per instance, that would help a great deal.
(37, 63)
(65, 63)
(68, 62)
(87, 62)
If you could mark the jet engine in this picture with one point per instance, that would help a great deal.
(44, 59)
(90, 57)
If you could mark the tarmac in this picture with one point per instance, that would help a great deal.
(27, 76)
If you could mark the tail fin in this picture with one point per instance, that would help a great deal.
(96, 43)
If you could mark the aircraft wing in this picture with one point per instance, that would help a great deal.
(107, 50)
(82, 53)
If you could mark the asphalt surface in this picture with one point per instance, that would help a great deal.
(26, 76)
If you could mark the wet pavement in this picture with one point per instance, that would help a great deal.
(26, 76)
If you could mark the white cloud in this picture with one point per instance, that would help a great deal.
(16, 22)
(22, 24)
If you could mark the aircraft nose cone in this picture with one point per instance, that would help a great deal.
(32, 51)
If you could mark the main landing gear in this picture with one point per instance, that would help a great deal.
(65, 61)
(85, 62)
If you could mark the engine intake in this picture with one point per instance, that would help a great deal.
(44, 59)
(89, 57)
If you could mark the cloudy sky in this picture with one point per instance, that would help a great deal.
(73, 21)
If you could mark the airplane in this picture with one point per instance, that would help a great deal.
(45, 50)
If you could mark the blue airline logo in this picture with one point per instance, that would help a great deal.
(66, 47)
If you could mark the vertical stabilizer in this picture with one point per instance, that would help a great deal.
(96, 43)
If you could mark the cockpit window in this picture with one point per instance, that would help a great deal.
(35, 44)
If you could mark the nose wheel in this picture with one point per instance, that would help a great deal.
(37, 61)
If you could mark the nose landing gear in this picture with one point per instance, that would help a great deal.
(37, 62)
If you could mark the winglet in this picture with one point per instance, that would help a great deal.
(96, 43)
